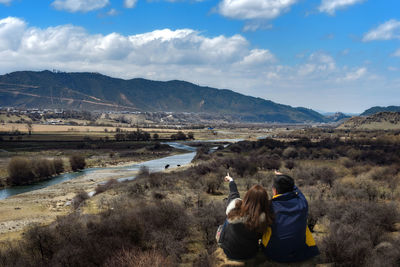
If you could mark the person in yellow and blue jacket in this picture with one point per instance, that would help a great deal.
(289, 238)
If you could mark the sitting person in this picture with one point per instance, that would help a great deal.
(246, 221)
(289, 239)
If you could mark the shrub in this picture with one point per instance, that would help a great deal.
(77, 162)
(356, 228)
(202, 153)
(205, 260)
(179, 136)
(100, 188)
(58, 165)
(213, 183)
(348, 163)
(290, 153)
(208, 217)
(309, 174)
(243, 166)
(289, 164)
(138, 258)
(43, 168)
(20, 171)
(270, 162)
(346, 245)
(143, 172)
(79, 198)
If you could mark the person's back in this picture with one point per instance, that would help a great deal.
(245, 222)
(289, 239)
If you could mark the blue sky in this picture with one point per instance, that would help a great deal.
(330, 55)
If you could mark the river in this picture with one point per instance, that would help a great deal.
(153, 165)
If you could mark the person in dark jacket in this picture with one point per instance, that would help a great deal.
(246, 221)
(288, 239)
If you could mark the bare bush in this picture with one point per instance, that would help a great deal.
(208, 218)
(77, 162)
(79, 198)
(58, 165)
(290, 153)
(20, 171)
(290, 164)
(213, 183)
(138, 258)
(100, 188)
(43, 168)
(309, 175)
(359, 226)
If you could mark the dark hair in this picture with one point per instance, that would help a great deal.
(283, 183)
(254, 204)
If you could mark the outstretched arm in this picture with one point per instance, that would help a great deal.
(233, 191)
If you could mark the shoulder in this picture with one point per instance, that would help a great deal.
(232, 205)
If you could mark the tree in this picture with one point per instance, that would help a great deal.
(29, 127)
(179, 136)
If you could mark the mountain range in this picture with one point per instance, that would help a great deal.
(94, 91)
(377, 109)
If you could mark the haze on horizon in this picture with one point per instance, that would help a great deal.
(329, 55)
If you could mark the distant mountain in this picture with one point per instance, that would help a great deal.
(378, 121)
(375, 110)
(93, 91)
(337, 117)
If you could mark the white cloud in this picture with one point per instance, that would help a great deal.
(397, 53)
(11, 32)
(130, 3)
(79, 5)
(355, 75)
(386, 31)
(6, 2)
(70, 45)
(317, 65)
(253, 26)
(254, 9)
(185, 54)
(257, 57)
(330, 6)
(112, 12)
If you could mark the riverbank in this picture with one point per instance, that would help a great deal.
(42, 206)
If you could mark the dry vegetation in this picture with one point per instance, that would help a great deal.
(352, 186)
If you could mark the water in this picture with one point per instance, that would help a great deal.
(153, 165)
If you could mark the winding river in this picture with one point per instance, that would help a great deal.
(153, 165)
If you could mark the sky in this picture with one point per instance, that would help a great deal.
(328, 55)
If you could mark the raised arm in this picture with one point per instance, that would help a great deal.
(233, 191)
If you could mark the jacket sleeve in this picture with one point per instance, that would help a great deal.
(302, 197)
(233, 192)
(299, 193)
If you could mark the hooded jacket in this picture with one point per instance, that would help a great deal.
(238, 242)
(289, 239)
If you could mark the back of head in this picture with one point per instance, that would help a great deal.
(283, 183)
(256, 206)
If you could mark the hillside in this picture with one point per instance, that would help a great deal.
(93, 91)
(379, 121)
(377, 109)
